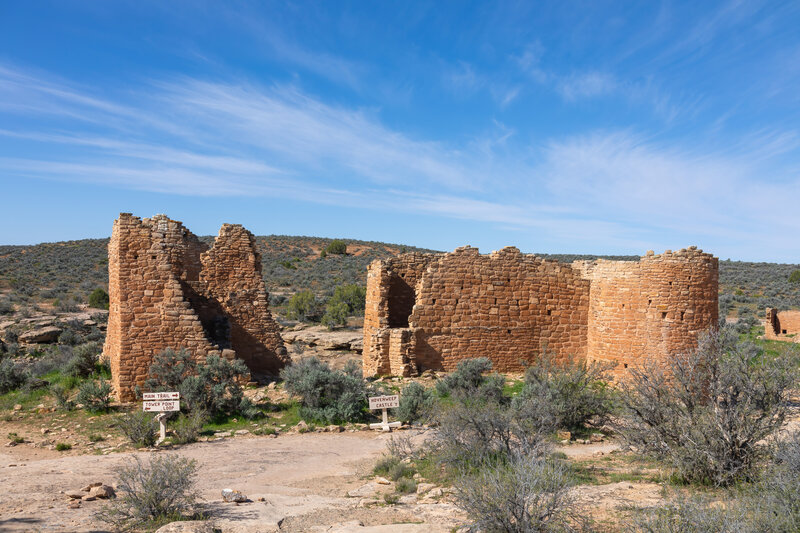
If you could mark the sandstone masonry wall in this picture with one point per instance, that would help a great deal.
(782, 325)
(168, 290)
(510, 306)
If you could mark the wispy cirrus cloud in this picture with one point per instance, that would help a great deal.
(187, 136)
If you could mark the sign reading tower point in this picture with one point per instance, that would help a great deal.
(384, 403)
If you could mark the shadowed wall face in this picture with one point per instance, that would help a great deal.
(510, 306)
(169, 290)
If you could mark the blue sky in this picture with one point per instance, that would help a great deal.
(560, 127)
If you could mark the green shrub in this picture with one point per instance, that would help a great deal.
(63, 446)
(302, 306)
(95, 395)
(416, 403)
(710, 414)
(140, 427)
(406, 485)
(70, 337)
(153, 494)
(336, 247)
(468, 382)
(327, 395)
(576, 391)
(83, 360)
(794, 277)
(6, 308)
(61, 395)
(401, 470)
(347, 300)
(96, 438)
(12, 376)
(187, 428)
(385, 465)
(98, 299)
(211, 387)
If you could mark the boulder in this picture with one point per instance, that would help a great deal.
(104, 492)
(233, 496)
(422, 488)
(301, 427)
(40, 335)
(187, 526)
(364, 491)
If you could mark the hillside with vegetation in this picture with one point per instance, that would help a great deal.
(63, 274)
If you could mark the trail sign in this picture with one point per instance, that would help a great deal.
(161, 406)
(161, 402)
(384, 403)
(149, 396)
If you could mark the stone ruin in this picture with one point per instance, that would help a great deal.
(782, 325)
(168, 289)
(430, 311)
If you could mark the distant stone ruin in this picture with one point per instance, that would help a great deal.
(168, 289)
(430, 311)
(782, 325)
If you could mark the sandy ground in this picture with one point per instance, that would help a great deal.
(304, 480)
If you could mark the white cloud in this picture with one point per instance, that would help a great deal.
(586, 85)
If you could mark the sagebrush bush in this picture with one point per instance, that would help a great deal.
(211, 387)
(187, 428)
(575, 390)
(468, 381)
(60, 394)
(406, 485)
(416, 404)
(12, 375)
(710, 414)
(83, 360)
(327, 395)
(152, 494)
(95, 395)
(528, 494)
(140, 427)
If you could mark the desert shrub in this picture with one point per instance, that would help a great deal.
(385, 465)
(405, 485)
(140, 427)
(709, 414)
(152, 494)
(6, 308)
(302, 306)
(745, 324)
(528, 494)
(468, 381)
(416, 403)
(95, 395)
(12, 376)
(335, 315)
(794, 277)
(327, 395)
(187, 428)
(55, 358)
(336, 247)
(211, 387)
(347, 300)
(774, 503)
(575, 390)
(83, 360)
(60, 394)
(69, 337)
(98, 299)
(471, 435)
(63, 446)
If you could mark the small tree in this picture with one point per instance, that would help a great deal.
(794, 277)
(336, 247)
(302, 306)
(98, 299)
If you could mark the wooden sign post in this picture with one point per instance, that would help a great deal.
(162, 403)
(384, 403)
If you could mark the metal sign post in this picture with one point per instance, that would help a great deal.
(384, 403)
(162, 403)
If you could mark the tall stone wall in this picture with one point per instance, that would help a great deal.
(169, 290)
(510, 306)
(782, 325)
(652, 308)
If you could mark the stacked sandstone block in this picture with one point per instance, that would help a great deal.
(782, 325)
(510, 307)
(168, 290)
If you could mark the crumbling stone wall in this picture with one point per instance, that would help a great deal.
(782, 325)
(167, 289)
(510, 306)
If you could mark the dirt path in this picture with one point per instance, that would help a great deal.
(304, 480)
